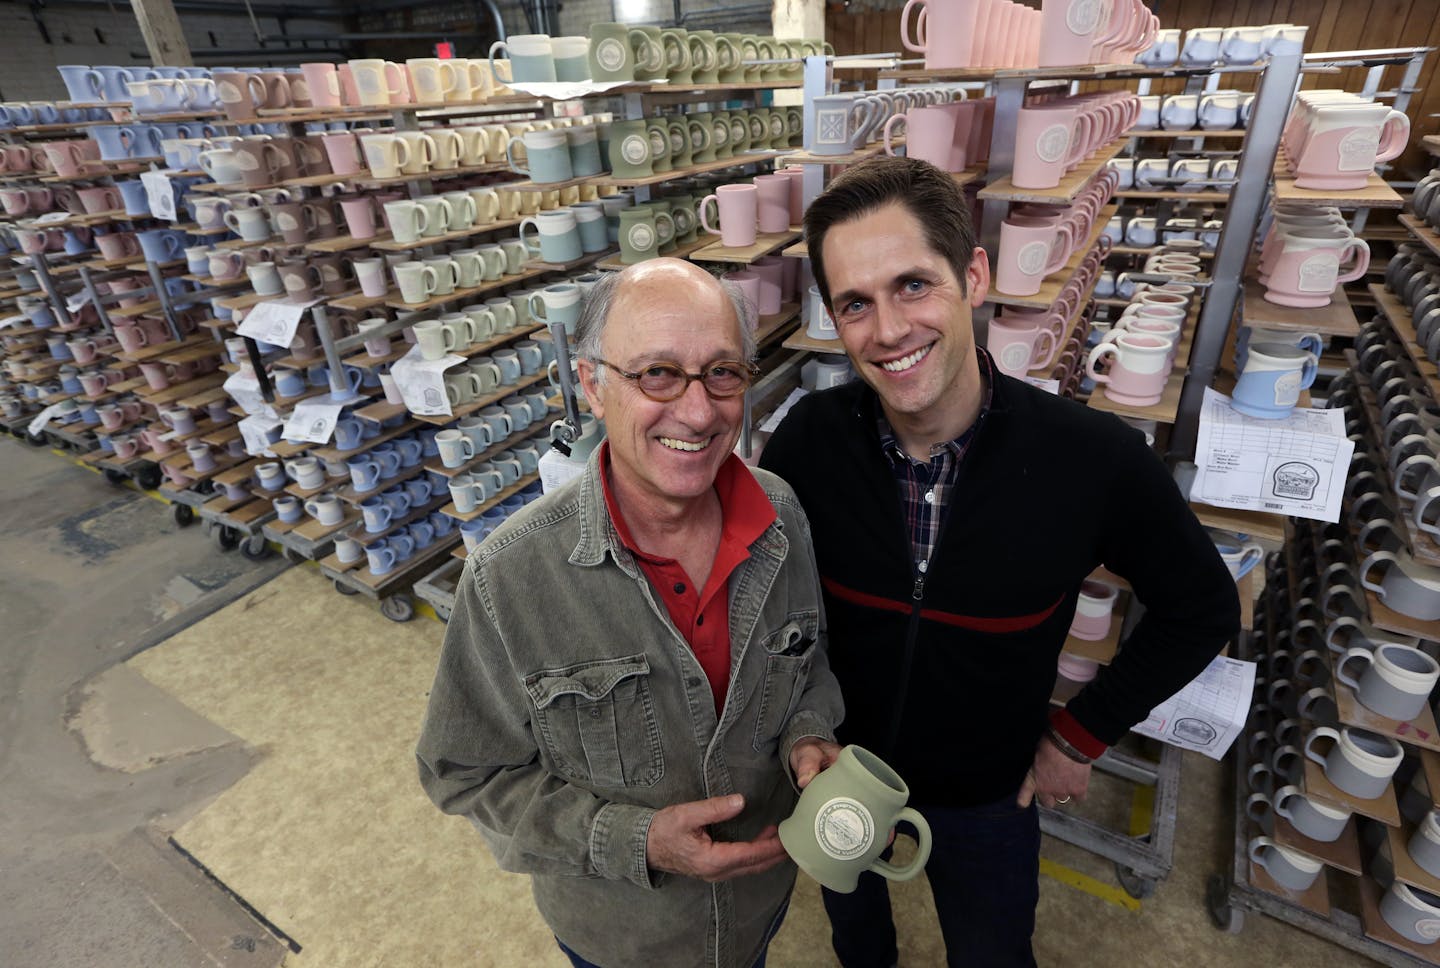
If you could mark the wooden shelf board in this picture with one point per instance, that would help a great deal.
(344, 243)
(764, 244)
(423, 558)
(1418, 228)
(1419, 732)
(1316, 899)
(524, 482)
(391, 245)
(178, 391)
(1400, 321)
(1071, 184)
(1318, 786)
(1336, 319)
(1406, 870)
(1342, 853)
(1382, 616)
(1375, 194)
(659, 178)
(312, 530)
(767, 327)
(798, 340)
(1174, 196)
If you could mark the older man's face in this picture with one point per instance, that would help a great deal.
(671, 312)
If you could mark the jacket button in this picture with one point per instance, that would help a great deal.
(693, 681)
(679, 588)
(594, 714)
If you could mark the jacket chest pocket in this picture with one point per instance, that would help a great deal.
(598, 723)
(789, 653)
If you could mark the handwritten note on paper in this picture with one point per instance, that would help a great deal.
(1209, 712)
(1295, 466)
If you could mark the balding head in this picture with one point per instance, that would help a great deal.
(670, 283)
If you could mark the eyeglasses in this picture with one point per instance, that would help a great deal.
(663, 382)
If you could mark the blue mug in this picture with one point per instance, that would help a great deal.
(421, 533)
(364, 473)
(389, 459)
(82, 82)
(347, 433)
(396, 500)
(161, 245)
(411, 451)
(137, 202)
(418, 490)
(1269, 386)
(117, 142)
(443, 524)
(380, 557)
(401, 543)
(377, 513)
(289, 383)
(113, 80)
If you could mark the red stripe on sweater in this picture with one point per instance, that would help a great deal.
(1016, 623)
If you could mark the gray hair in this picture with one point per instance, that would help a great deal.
(595, 311)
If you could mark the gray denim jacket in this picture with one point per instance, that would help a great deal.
(567, 709)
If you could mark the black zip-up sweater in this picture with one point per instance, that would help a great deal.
(952, 689)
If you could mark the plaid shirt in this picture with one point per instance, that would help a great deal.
(925, 486)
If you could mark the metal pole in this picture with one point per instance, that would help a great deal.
(1252, 185)
(1009, 98)
(163, 294)
(89, 283)
(42, 272)
(339, 386)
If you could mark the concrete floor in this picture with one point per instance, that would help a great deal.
(271, 732)
(91, 575)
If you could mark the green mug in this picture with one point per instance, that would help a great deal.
(739, 133)
(793, 49)
(769, 50)
(678, 65)
(649, 54)
(759, 129)
(705, 57)
(680, 142)
(730, 50)
(639, 239)
(658, 131)
(779, 132)
(612, 51)
(841, 824)
(702, 137)
(665, 224)
(630, 150)
(682, 211)
(794, 126)
(750, 51)
(720, 134)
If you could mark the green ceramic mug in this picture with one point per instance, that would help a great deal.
(679, 142)
(658, 131)
(702, 137)
(639, 238)
(682, 210)
(720, 134)
(665, 224)
(740, 133)
(730, 49)
(630, 150)
(612, 51)
(678, 66)
(705, 57)
(842, 823)
(649, 54)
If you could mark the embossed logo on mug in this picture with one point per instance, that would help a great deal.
(1358, 149)
(1015, 357)
(677, 142)
(1287, 389)
(844, 828)
(1052, 143)
(641, 237)
(635, 149)
(1318, 273)
(722, 133)
(610, 54)
(229, 93)
(1083, 16)
(286, 222)
(1032, 257)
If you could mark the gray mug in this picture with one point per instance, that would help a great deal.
(1287, 867)
(1395, 681)
(1360, 762)
(1315, 820)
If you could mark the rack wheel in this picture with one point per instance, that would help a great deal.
(149, 478)
(40, 441)
(344, 589)
(397, 608)
(115, 477)
(1224, 915)
(184, 515)
(1136, 885)
(255, 547)
(226, 537)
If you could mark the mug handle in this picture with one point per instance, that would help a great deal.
(1319, 732)
(532, 249)
(1394, 136)
(917, 863)
(906, 38)
(889, 148)
(1361, 248)
(1364, 654)
(498, 45)
(1096, 355)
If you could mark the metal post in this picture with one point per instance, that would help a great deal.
(339, 386)
(42, 272)
(1252, 184)
(569, 428)
(817, 84)
(163, 294)
(89, 283)
(1009, 98)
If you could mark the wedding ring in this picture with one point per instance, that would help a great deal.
(1063, 800)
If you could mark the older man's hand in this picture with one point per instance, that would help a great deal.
(679, 843)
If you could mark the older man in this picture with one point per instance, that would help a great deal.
(956, 512)
(634, 660)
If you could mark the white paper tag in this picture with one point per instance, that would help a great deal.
(1294, 466)
(773, 421)
(422, 382)
(13, 321)
(51, 217)
(43, 418)
(1049, 386)
(245, 390)
(1208, 714)
(256, 429)
(159, 194)
(274, 321)
(312, 421)
(76, 300)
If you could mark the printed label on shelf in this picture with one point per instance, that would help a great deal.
(256, 430)
(1295, 465)
(422, 382)
(274, 321)
(159, 195)
(1209, 712)
(312, 421)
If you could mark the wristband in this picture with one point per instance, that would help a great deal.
(1063, 745)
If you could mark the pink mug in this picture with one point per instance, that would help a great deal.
(736, 206)
(1018, 347)
(1030, 250)
(1045, 148)
(1137, 372)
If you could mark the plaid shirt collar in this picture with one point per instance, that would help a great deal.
(955, 449)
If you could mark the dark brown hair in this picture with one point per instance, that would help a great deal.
(928, 193)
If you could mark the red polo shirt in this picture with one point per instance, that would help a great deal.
(703, 615)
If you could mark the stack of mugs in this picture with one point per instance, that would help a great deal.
(847, 122)
(1142, 343)
(1053, 135)
(1236, 46)
(1307, 252)
(1002, 33)
(1022, 339)
(1414, 275)
(1038, 240)
(1080, 32)
(642, 148)
(1334, 139)
(25, 114)
(1213, 111)
(621, 53)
